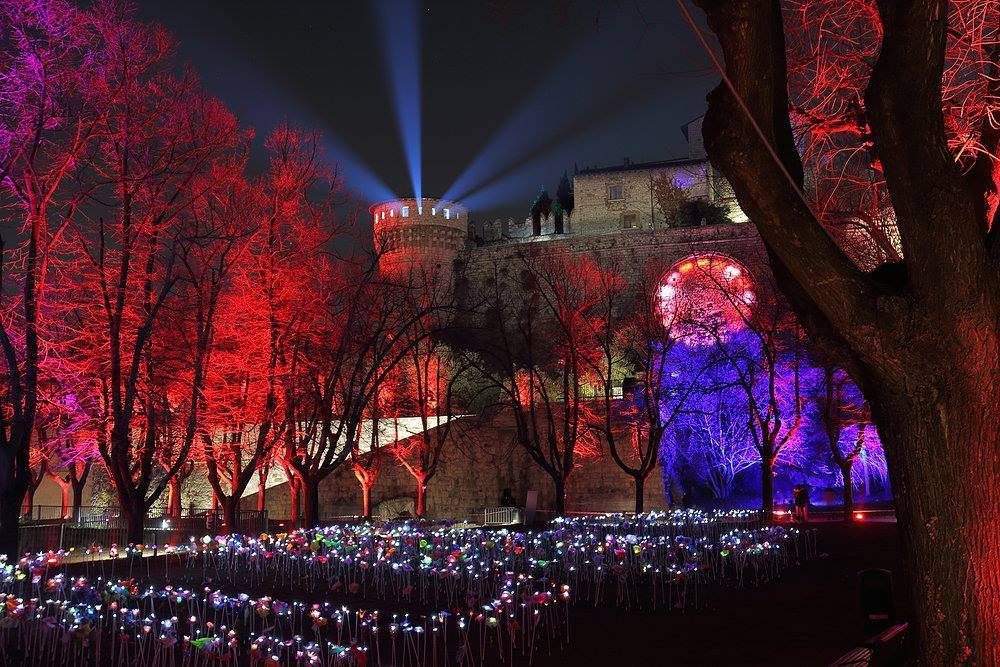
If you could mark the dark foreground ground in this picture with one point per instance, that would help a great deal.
(811, 616)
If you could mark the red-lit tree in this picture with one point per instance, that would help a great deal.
(635, 344)
(165, 146)
(268, 313)
(360, 334)
(920, 336)
(48, 125)
(531, 339)
(426, 379)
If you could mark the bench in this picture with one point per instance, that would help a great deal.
(887, 646)
(856, 657)
(882, 650)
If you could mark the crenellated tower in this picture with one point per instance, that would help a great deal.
(427, 234)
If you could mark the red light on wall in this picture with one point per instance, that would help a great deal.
(859, 516)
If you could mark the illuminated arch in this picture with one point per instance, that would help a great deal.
(705, 296)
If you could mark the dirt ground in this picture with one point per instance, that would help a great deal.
(809, 617)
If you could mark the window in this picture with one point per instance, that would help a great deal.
(630, 221)
(615, 192)
(406, 211)
(447, 214)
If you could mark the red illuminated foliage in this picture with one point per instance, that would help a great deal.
(425, 381)
(532, 340)
(267, 313)
(359, 335)
(164, 146)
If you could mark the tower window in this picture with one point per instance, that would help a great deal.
(406, 211)
(447, 214)
(615, 192)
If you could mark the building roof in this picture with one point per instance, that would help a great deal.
(641, 166)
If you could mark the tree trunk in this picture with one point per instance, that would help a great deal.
(261, 490)
(231, 513)
(28, 504)
(10, 514)
(640, 493)
(294, 500)
(421, 508)
(77, 498)
(560, 488)
(64, 500)
(845, 471)
(135, 520)
(174, 497)
(943, 461)
(310, 490)
(767, 488)
(366, 500)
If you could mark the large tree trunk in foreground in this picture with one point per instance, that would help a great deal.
(922, 339)
(231, 513)
(421, 505)
(945, 472)
(15, 480)
(134, 513)
(559, 486)
(310, 492)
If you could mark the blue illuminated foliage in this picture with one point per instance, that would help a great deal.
(710, 445)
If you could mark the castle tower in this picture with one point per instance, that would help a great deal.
(425, 234)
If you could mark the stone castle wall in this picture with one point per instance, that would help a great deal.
(481, 459)
(631, 251)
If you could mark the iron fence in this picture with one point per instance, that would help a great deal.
(104, 526)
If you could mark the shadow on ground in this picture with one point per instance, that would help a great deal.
(810, 616)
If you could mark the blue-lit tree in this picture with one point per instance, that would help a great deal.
(749, 339)
(637, 350)
(712, 438)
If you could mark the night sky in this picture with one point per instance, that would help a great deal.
(513, 93)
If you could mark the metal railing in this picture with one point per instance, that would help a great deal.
(501, 516)
(104, 526)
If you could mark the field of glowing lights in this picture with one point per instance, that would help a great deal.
(407, 592)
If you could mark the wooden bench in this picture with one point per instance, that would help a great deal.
(882, 650)
(856, 657)
(887, 646)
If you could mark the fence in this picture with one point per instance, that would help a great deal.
(501, 516)
(104, 526)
